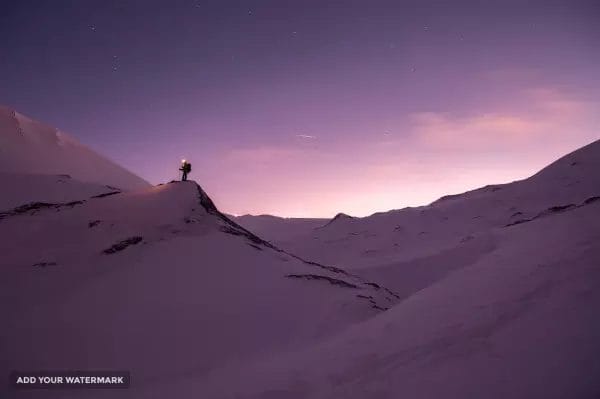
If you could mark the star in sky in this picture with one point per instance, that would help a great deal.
(115, 65)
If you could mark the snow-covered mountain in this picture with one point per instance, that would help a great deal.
(283, 231)
(30, 147)
(487, 294)
(153, 279)
(452, 225)
(520, 321)
(158, 281)
(499, 290)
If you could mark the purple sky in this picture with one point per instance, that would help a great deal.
(309, 108)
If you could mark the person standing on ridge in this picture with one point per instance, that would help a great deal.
(185, 168)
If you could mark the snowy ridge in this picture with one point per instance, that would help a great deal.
(178, 271)
(487, 310)
(411, 233)
(30, 147)
(234, 228)
(505, 326)
(29, 188)
(281, 231)
(339, 217)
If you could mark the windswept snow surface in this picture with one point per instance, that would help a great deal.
(30, 147)
(500, 289)
(520, 322)
(21, 189)
(161, 283)
(452, 232)
(281, 231)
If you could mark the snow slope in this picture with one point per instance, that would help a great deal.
(520, 322)
(509, 312)
(159, 282)
(280, 231)
(454, 226)
(22, 189)
(30, 147)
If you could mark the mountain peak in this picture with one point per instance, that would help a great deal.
(339, 217)
(342, 215)
(30, 147)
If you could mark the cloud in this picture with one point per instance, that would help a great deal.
(558, 103)
(306, 136)
(534, 116)
(445, 130)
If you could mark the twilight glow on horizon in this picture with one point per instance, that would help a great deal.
(310, 108)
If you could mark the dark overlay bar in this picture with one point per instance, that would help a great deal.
(67, 379)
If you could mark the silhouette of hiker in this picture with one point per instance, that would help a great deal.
(185, 168)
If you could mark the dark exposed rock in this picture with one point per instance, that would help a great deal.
(330, 268)
(330, 280)
(94, 223)
(44, 264)
(231, 227)
(591, 200)
(519, 221)
(378, 287)
(557, 209)
(467, 238)
(121, 245)
(378, 307)
(37, 206)
(106, 194)
(32, 207)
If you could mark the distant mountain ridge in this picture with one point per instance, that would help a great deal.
(400, 235)
(30, 147)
